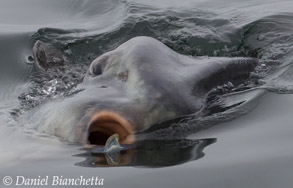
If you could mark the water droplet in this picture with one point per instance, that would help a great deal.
(260, 37)
(261, 81)
(230, 85)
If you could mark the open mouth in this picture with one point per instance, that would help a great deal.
(104, 124)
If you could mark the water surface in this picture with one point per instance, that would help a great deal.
(242, 147)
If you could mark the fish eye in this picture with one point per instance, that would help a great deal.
(98, 66)
(97, 69)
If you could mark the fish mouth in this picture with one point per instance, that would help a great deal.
(104, 124)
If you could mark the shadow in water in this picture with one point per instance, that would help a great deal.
(148, 153)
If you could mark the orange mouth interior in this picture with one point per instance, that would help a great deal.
(105, 124)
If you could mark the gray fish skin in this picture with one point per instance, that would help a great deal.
(144, 82)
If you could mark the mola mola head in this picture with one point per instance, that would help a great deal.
(141, 83)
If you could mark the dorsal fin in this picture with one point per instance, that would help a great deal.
(47, 56)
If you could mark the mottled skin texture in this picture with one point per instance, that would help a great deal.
(145, 82)
(46, 56)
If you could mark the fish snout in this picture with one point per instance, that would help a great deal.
(104, 124)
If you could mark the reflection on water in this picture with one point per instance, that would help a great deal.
(148, 153)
